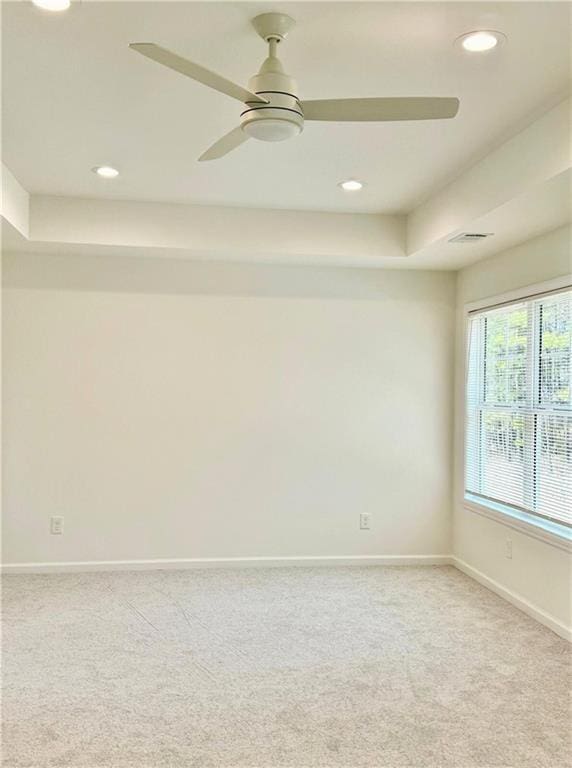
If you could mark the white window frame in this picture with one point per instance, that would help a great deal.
(546, 530)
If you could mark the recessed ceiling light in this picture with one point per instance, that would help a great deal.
(351, 185)
(481, 41)
(52, 5)
(106, 171)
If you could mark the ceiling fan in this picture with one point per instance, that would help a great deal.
(273, 111)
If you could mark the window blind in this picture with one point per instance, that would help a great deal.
(518, 426)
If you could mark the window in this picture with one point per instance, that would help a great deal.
(518, 428)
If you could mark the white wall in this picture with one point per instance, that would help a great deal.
(172, 409)
(538, 573)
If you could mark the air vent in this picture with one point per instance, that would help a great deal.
(470, 237)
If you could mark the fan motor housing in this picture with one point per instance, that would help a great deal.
(280, 119)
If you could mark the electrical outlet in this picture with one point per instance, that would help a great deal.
(365, 521)
(56, 525)
(508, 550)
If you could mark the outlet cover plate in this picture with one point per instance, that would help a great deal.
(365, 521)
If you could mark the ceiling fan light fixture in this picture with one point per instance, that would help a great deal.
(52, 5)
(272, 129)
(351, 185)
(481, 41)
(106, 171)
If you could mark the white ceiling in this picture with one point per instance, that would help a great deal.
(75, 96)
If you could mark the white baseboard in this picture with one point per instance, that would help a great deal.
(512, 597)
(224, 562)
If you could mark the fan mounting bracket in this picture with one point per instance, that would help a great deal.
(273, 26)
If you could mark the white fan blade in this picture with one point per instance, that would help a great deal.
(360, 110)
(196, 72)
(223, 146)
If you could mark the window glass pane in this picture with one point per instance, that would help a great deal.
(472, 452)
(554, 466)
(504, 438)
(506, 356)
(555, 343)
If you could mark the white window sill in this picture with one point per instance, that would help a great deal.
(551, 533)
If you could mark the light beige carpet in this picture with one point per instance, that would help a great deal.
(354, 667)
